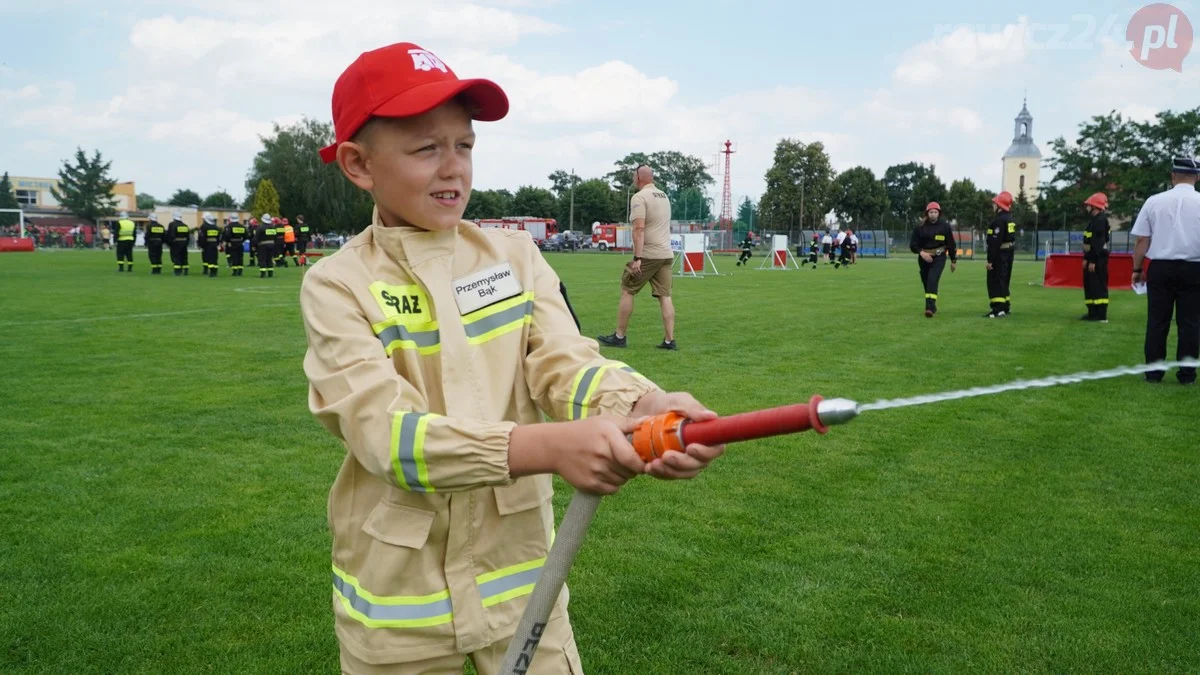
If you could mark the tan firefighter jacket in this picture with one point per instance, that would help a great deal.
(425, 350)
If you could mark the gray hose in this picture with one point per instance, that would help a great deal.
(567, 542)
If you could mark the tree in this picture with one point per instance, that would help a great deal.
(747, 213)
(899, 180)
(929, 189)
(691, 204)
(595, 201)
(219, 200)
(146, 202)
(290, 159)
(1022, 211)
(185, 198)
(266, 199)
(968, 205)
(489, 204)
(534, 201)
(561, 182)
(799, 184)
(674, 172)
(859, 198)
(85, 188)
(8, 200)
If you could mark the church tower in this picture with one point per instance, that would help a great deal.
(1023, 160)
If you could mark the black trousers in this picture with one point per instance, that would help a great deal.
(125, 254)
(1174, 287)
(154, 248)
(745, 255)
(1095, 290)
(266, 260)
(931, 276)
(1008, 255)
(236, 257)
(253, 255)
(997, 282)
(302, 246)
(179, 256)
(209, 256)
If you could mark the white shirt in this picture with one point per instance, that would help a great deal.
(1172, 221)
(841, 238)
(854, 239)
(827, 239)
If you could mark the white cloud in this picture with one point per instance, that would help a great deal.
(963, 56)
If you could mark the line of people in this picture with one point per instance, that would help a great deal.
(269, 243)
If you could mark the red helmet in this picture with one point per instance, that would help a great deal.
(933, 205)
(1004, 200)
(285, 222)
(254, 221)
(1098, 200)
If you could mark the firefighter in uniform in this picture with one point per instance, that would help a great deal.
(1001, 234)
(177, 241)
(209, 239)
(747, 250)
(252, 239)
(264, 243)
(441, 513)
(126, 235)
(303, 237)
(234, 238)
(1095, 259)
(280, 244)
(933, 241)
(814, 248)
(155, 233)
(842, 242)
(289, 242)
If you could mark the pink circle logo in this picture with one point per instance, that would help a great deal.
(1160, 37)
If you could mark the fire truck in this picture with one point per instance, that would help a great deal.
(538, 228)
(612, 237)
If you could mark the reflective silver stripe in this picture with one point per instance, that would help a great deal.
(580, 401)
(505, 584)
(371, 610)
(406, 451)
(490, 323)
(425, 338)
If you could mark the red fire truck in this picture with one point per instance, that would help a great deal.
(538, 228)
(612, 237)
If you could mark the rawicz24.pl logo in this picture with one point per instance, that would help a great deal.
(1160, 37)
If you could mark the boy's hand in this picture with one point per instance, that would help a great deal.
(678, 465)
(593, 455)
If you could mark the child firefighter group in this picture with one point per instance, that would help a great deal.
(268, 241)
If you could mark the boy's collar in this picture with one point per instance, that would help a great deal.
(412, 243)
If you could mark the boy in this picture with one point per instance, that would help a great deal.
(434, 348)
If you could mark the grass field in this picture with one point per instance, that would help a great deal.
(163, 486)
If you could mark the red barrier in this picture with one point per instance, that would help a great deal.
(1065, 270)
(15, 244)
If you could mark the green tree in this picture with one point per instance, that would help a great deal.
(799, 186)
(219, 200)
(859, 198)
(594, 201)
(900, 180)
(85, 188)
(674, 171)
(968, 205)
(266, 199)
(561, 182)
(489, 204)
(185, 198)
(929, 189)
(1023, 213)
(8, 200)
(534, 201)
(691, 204)
(747, 213)
(146, 202)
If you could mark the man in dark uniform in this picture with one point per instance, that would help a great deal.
(252, 238)
(234, 237)
(933, 240)
(209, 239)
(126, 235)
(154, 243)
(265, 243)
(1095, 259)
(303, 237)
(277, 225)
(842, 242)
(177, 240)
(747, 250)
(1001, 233)
(814, 247)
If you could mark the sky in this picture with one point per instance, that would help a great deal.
(178, 93)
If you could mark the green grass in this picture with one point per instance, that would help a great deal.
(163, 486)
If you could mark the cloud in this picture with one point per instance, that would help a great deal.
(963, 56)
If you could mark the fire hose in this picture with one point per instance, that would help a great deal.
(652, 439)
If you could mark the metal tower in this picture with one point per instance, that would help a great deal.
(726, 220)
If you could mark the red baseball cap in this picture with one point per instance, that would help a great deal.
(403, 80)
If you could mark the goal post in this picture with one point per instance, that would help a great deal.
(20, 218)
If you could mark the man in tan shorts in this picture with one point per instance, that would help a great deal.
(650, 211)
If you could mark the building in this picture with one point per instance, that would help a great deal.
(1022, 160)
(35, 195)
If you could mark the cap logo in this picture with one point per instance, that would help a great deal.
(426, 61)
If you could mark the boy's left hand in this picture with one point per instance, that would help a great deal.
(678, 465)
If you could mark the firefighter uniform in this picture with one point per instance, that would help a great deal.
(177, 240)
(435, 547)
(280, 245)
(814, 248)
(1001, 235)
(747, 250)
(209, 239)
(252, 238)
(303, 237)
(234, 238)
(1095, 253)
(842, 243)
(154, 244)
(126, 234)
(936, 239)
(289, 242)
(265, 244)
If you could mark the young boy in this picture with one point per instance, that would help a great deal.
(434, 348)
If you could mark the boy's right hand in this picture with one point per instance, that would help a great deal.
(593, 455)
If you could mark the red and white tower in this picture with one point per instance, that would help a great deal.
(726, 221)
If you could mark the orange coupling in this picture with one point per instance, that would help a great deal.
(659, 435)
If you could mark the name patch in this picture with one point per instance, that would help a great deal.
(405, 303)
(483, 288)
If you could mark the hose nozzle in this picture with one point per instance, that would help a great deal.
(836, 411)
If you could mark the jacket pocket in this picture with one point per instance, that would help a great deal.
(526, 493)
(399, 525)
